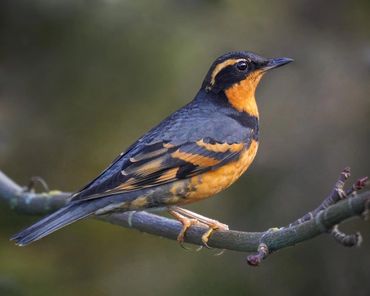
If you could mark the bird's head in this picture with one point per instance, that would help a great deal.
(235, 67)
(237, 74)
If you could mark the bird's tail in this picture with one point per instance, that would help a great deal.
(63, 217)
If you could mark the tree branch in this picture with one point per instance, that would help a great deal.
(322, 220)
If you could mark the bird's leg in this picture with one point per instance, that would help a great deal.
(186, 224)
(211, 223)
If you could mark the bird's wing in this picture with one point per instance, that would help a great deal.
(158, 163)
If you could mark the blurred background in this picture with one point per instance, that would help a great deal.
(81, 80)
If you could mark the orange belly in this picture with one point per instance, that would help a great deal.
(212, 182)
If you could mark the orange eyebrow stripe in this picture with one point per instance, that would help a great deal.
(223, 147)
(221, 66)
(195, 159)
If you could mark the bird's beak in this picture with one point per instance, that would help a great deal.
(275, 63)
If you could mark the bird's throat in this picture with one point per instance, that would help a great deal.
(242, 95)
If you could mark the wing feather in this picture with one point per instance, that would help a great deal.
(160, 163)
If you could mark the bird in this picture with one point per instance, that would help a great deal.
(195, 153)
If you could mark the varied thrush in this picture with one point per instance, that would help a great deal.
(196, 152)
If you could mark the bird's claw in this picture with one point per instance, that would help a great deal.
(188, 219)
(214, 226)
(186, 224)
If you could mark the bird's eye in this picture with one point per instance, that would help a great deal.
(242, 65)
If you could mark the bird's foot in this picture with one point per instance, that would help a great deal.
(189, 218)
(186, 224)
(213, 226)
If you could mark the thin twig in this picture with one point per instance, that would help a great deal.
(338, 193)
(335, 195)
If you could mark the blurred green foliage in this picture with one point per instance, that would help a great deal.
(81, 80)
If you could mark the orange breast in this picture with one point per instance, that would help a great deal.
(212, 182)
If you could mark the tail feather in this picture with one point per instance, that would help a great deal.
(63, 217)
